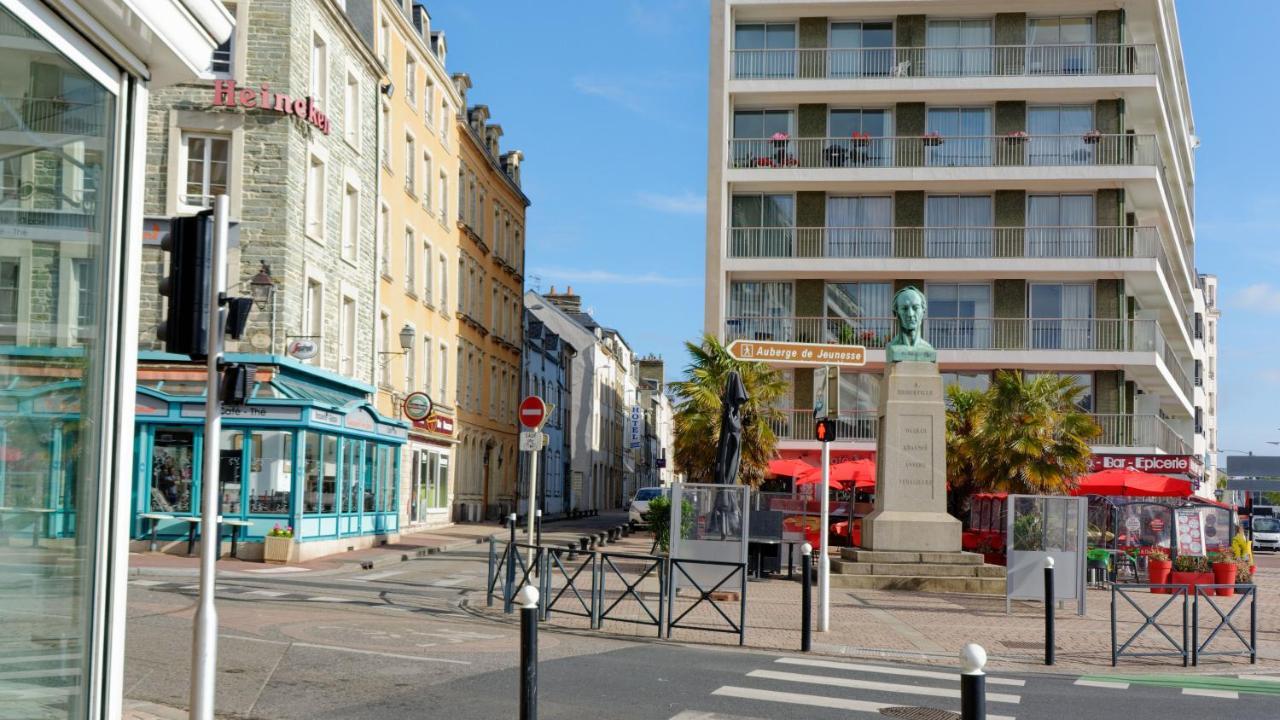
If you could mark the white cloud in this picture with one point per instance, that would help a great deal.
(605, 277)
(1263, 297)
(686, 203)
(611, 91)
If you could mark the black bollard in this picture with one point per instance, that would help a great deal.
(583, 541)
(528, 653)
(806, 600)
(537, 525)
(509, 587)
(1048, 611)
(493, 566)
(973, 683)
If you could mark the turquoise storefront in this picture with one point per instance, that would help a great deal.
(308, 451)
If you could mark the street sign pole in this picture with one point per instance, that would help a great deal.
(204, 649)
(824, 578)
(533, 412)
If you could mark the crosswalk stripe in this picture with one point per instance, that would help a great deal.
(265, 593)
(379, 576)
(883, 670)
(146, 583)
(822, 701)
(1114, 685)
(694, 715)
(878, 686)
(449, 582)
(1204, 692)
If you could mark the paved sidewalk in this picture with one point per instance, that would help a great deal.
(929, 627)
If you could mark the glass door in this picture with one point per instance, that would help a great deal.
(965, 137)
(761, 311)
(764, 50)
(1061, 316)
(1058, 135)
(861, 49)
(959, 316)
(956, 48)
(1061, 226)
(859, 227)
(1060, 46)
(958, 226)
(763, 226)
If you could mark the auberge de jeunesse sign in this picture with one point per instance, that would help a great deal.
(226, 94)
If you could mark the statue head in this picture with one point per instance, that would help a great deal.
(909, 306)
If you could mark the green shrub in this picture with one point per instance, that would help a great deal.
(658, 516)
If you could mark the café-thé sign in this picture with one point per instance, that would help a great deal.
(226, 94)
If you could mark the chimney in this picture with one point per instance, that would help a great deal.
(511, 165)
(477, 116)
(491, 135)
(566, 301)
(462, 83)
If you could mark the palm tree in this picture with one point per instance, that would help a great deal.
(697, 412)
(1020, 436)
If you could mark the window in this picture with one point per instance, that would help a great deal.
(347, 337)
(410, 79)
(493, 390)
(1058, 46)
(1061, 316)
(444, 371)
(967, 381)
(493, 311)
(856, 227)
(445, 117)
(958, 47)
(1062, 226)
(319, 70)
(313, 313)
(756, 124)
(762, 50)
(752, 130)
(270, 480)
(350, 222)
(426, 181)
(384, 132)
(384, 239)
(410, 164)
(859, 313)
(206, 166)
(10, 279)
(427, 263)
(1057, 135)
(410, 381)
(384, 348)
(320, 469)
(958, 226)
(861, 49)
(761, 310)
(426, 363)
(444, 284)
(967, 133)
(172, 455)
(459, 396)
(410, 252)
(84, 291)
(444, 197)
(351, 106)
(384, 42)
(224, 54)
(315, 198)
(960, 316)
(428, 101)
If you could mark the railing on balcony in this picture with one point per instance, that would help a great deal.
(798, 425)
(1081, 150)
(1139, 431)
(51, 115)
(56, 219)
(1073, 334)
(966, 61)
(944, 242)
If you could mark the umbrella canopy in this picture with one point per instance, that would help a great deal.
(729, 451)
(856, 473)
(1132, 483)
(789, 468)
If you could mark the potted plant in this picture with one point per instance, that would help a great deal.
(932, 139)
(658, 517)
(859, 139)
(1224, 572)
(1016, 137)
(1191, 570)
(1244, 572)
(278, 546)
(1158, 568)
(1093, 137)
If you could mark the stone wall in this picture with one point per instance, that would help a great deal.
(908, 214)
(1010, 208)
(812, 121)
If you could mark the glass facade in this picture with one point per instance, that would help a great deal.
(57, 160)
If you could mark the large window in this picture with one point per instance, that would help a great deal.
(351, 112)
(315, 198)
(206, 168)
(958, 47)
(861, 49)
(410, 165)
(859, 313)
(319, 70)
(350, 222)
(959, 316)
(352, 485)
(172, 478)
(410, 261)
(764, 50)
(859, 398)
(410, 79)
(1060, 45)
(966, 136)
(231, 471)
(432, 480)
(1062, 226)
(270, 462)
(859, 227)
(384, 240)
(761, 311)
(1058, 135)
(958, 226)
(1061, 316)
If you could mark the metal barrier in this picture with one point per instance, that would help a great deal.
(512, 560)
(1243, 593)
(1126, 591)
(706, 595)
(553, 564)
(496, 565)
(651, 563)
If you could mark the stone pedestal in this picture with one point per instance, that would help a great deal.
(911, 471)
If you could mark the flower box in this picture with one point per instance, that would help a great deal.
(1017, 137)
(932, 139)
(1093, 137)
(279, 550)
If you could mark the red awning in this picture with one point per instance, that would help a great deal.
(858, 473)
(789, 468)
(1132, 483)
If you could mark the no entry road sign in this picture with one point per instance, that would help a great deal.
(533, 411)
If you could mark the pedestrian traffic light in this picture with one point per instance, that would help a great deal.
(189, 244)
(237, 383)
(825, 430)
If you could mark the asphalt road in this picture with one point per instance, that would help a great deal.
(396, 643)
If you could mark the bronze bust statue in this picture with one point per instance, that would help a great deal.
(910, 307)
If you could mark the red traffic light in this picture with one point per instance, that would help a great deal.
(824, 430)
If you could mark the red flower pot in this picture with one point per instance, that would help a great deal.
(1158, 574)
(1204, 578)
(1224, 573)
(1188, 579)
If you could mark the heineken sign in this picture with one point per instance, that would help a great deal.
(226, 94)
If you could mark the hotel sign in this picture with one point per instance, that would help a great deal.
(226, 94)
(799, 353)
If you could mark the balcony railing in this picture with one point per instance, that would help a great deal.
(54, 219)
(1081, 150)
(944, 242)
(798, 425)
(51, 115)
(966, 61)
(1139, 431)
(1072, 334)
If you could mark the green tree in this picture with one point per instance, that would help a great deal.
(697, 412)
(1019, 436)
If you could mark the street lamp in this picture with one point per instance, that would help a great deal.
(407, 335)
(262, 287)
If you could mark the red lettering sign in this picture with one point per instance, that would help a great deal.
(439, 424)
(226, 94)
(1189, 465)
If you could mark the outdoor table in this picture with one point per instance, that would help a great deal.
(154, 519)
(193, 521)
(235, 533)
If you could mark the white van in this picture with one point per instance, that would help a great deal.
(1266, 532)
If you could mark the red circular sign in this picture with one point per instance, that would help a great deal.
(532, 411)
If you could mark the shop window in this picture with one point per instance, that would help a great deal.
(231, 471)
(172, 456)
(320, 468)
(351, 458)
(389, 477)
(372, 479)
(270, 471)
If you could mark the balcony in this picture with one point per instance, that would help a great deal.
(944, 242)
(1139, 431)
(1084, 150)
(850, 426)
(944, 62)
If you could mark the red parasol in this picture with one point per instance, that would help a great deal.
(858, 473)
(789, 468)
(1132, 483)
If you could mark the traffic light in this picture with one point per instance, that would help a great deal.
(237, 383)
(824, 430)
(189, 244)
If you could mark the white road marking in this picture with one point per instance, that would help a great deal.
(884, 670)
(878, 686)
(1202, 692)
(283, 569)
(814, 700)
(1114, 685)
(330, 598)
(337, 648)
(693, 715)
(1264, 678)
(379, 576)
(265, 593)
(450, 582)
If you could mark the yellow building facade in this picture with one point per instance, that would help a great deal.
(418, 253)
(490, 267)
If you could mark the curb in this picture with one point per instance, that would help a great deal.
(392, 558)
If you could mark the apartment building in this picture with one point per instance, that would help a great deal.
(1207, 317)
(490, 283)
(1028, 165)
(417, 251)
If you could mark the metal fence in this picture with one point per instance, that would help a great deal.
(1127, 592)
(1224, 621)
(1168, 626)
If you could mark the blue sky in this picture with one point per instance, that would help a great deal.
(608, 101)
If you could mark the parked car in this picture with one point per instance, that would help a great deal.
(639, 504)
(1266, 533)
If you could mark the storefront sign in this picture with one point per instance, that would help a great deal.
(1189, 465)
(256, 412)
(226, 94)
(439, 424)
(303, 349)
(394, 431)
(417, 406)
(326, 417)
(360, 420)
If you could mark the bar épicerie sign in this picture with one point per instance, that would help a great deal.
(226, 94)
